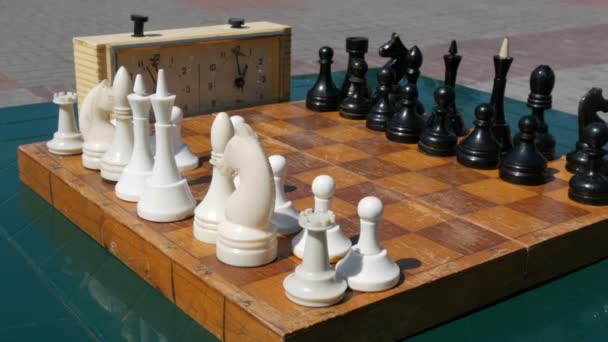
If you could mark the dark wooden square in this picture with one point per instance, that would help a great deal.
(304, 140)
(457, 201)
(353, 194)
(461, 236)
(453, 174)
(548, 209)
(373, 168)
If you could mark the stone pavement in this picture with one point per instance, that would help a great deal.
(570, 35)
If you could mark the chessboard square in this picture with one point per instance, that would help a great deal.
(337, 153)
(559, 169)
(274, 128)
(304, 140)
(412, 184)
(298, 162)
(296, 189)
(353, 194)
(507, 221)
(414, 160)
(462, 236)
(548, 209)
(271, 147)
(561, 195)
(454, 174)
(185, 239)
(284, 110)
(386, 229)
(373, 168)
(457, 201)
(342, 177)
(497, 191)
(377, 145)
(198, 125)
(415, 253)
(412, 215)
(240, 276)
(344, 133)
(252, 116)
(552, 185)
(341, 208)
(198, 144)
(312, 122)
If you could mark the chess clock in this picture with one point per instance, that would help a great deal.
(209, 68)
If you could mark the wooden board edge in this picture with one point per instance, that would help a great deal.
(33, 174)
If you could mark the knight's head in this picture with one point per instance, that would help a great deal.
(392, 47)
(105, 98)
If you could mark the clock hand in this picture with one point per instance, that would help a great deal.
(151, 76)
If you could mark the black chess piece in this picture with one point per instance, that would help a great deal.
(438, 139)
(591, 103)
(414, 62)
(356, 105)
(356, 48)
(480, 150)
(502, 132)
(324, 96)
(542, 81)
(452, 61)
(382, 110)
(406, 125)
(590, 185)
(397, 54)
(524, 164)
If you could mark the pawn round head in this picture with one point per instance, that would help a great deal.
(444, 96)
(323, 187)
(528, 124)
(359, 67)
(542, 80)
(370, 208)
(326, 53)
(410, 92)
(595, 135)
(277, 164)
(386, 76)
(484, 112)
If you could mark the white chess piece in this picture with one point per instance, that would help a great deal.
(338, 243)
(314, 283)
(236, 120)
(94, 122)
(184, 158)
(119, 153)
(246, 238)
(367, 266)
(210, 212)
(67, 140)
(130, 185)
(285, 218)
(166, 195)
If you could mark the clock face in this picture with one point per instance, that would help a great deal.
(208, 76)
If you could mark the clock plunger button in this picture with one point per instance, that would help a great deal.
(236, 22)
(138, 24)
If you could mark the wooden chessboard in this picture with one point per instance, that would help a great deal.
(462, 237)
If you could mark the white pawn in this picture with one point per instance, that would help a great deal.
(131, 183)
(166, 195)
(367, 266)
(210, 212)
(95, 126)
(314, 283)
(119, 153)
(246, 238)
(184, 158)
(285, 218)
(67, 140)
(337, 243)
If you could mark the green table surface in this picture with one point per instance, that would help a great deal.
(60, 285)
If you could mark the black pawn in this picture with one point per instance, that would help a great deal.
(524, 164)
(356, 48)
(437, 139)
(406, 125)
(542, 81)
(480, 149)
(356, 105)
(591, 103)
(590, 186)
(324, 96)
(414, 62)
(452, 61)
(382, 110)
